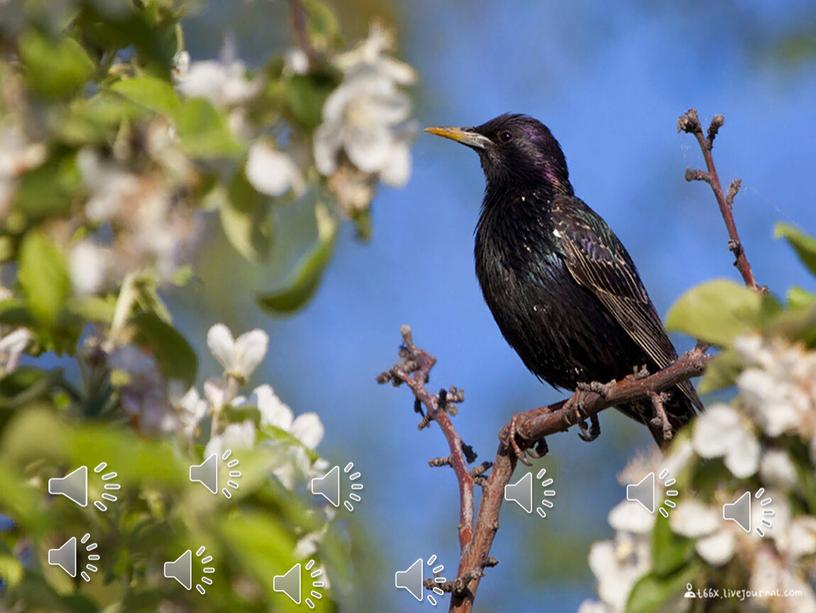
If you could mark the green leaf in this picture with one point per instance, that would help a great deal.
(150, 92)
(149, 29)
(14, 312)
(54, 68)
(670, 551)
(204, 131)
(246, 220)
(95, 120)
(716, 312)
(261, 543)
(309, 271)
(799, 298)
(48, 189)
(306, 95)
(11, 570)
(25, 385)
(795, 324)
(175, 357)
(44, 277)
(93, 308)
(804, 245)
(324, 29)
(721, 372)
(651, 592)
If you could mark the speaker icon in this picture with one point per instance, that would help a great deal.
(521, 492)
(181, 569)
(328, 486)
(74, 486)
(644, 492)
(290, 583)
(206, 473)
(740, 513)
(412, 579)
(65, 556)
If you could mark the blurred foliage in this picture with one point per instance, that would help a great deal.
(119, 155)
(728, 315)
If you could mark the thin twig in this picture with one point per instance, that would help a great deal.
(413, 369)
(689, 122)
(300, 27)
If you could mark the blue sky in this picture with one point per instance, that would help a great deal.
(610, 83)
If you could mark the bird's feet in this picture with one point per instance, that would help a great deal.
(602, 389)
(537, 450)
(574, 414)
(511, 442)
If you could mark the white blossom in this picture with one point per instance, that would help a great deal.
(223, 82)
(778, 389)
(191, 409)
(272, 172)
(109, 184)
(88, 264)
(593, 606)
(296, 61)
(715, 540)
(307, 427)
(777, 470)
(770, 573)
(766, 398)
(630, 517)
(239, 357)
(17, 155)
(617, 565)
(234, 436)
(365, 116)
(12, 346)
(720, 431)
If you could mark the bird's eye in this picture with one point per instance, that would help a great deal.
(505, 136)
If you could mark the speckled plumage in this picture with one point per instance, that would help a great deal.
(562, 288)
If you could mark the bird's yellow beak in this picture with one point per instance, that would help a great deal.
(460, 135)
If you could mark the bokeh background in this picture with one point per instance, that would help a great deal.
(610, 82)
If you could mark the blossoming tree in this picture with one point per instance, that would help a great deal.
(119, 154)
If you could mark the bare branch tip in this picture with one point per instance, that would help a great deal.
(716, 123)
(689, 122)
(733, 190)
(694, 174)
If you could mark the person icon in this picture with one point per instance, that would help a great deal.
(689, 592)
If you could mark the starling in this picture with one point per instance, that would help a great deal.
(561, 286)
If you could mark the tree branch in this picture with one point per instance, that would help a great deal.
(413, 369)
(476, 538)
(298, 18)
(689, 122)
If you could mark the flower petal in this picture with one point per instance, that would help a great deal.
(743, 458)
(308, 429)
(222, 345)
(397, 168)
(713, 430)
(630, 517)
(272, 172)
(368, 145)
(694, 519)
(777, 470)
(250, 349)
(273, 410)
(718, 548)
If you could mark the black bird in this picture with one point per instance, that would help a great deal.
(561, 286)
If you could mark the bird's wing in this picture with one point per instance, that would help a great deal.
(598, 261)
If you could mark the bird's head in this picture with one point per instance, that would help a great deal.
(515, 150)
